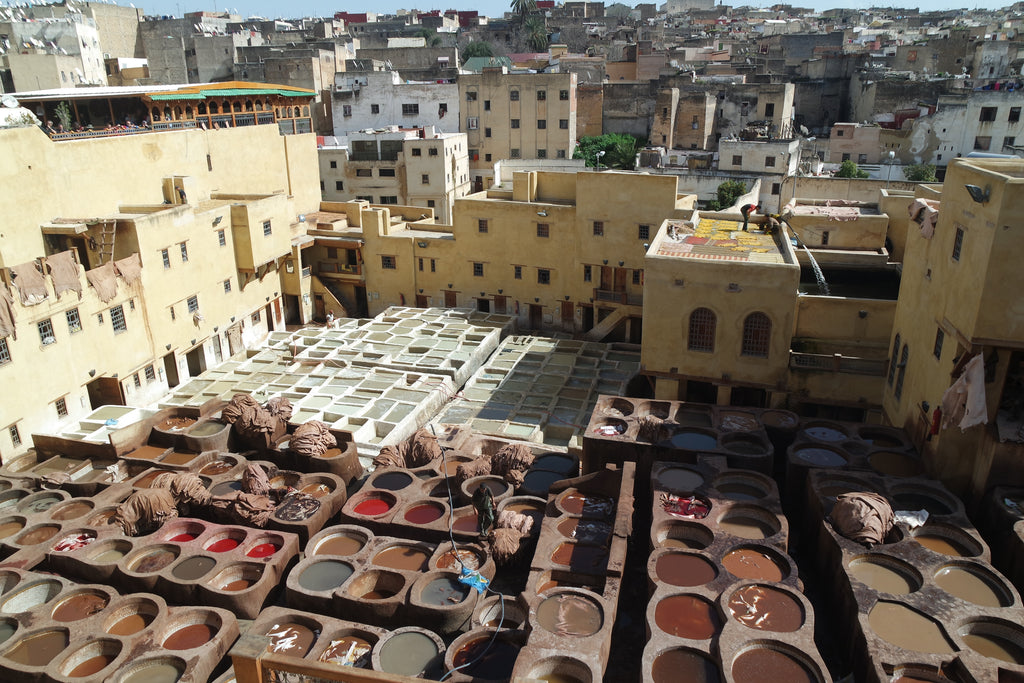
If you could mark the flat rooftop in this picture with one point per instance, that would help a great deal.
(718, 239)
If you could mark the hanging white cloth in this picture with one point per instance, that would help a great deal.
(963, 403)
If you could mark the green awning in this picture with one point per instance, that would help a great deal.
(182, 96)
(231, 92)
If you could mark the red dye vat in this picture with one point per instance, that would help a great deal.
(372, 507)
(182, 538)
(223, 545)
(423, 514)
(263, 550)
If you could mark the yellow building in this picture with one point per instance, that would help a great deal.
(960, 298)
(197, 223)
(516, 116)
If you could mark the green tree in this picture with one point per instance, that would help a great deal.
(478, 48)
(728, 193)
(619, 150)
(920, 173)
(431, 38)
(848, 169)
(63, 114)
(536, 34)
(523, 9)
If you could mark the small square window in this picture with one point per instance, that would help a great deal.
(74, 321)
(487, 132)
(386, 173)
(517, 272)
(432, 152)
(150, 373)
(117, 320)
(983, 142)
(227, 286)
(542, 124)
(543, 276)
(267, 230)
(563, 124)
(487, 105)
(599, 228)
(487, 157)
(184, 252)
(543, 230)
(472, 122)
(542, 95)
(364, 172)
(222, 239)
(388, 263)
(410, 109)
(513, 95)
(15, 435)
(136, 380)
(430, 203)
(776, 187)
(482, 225)
(417, 152)
(346, 110)
(939, 338)
(988, 114)
(5, 351)
(737, 159)
(560, 154)
(193, 303)
(514, 153)
(425, 179)
(588, 274)
(1014, 115)
(389, 199)
(769, 162)
(374, 108)
(46, 331)
(255, 318)
(478, 270)
(542, 154)
(334, 164)
(470, 96)
(643, 232)
(514, 123)
(563, 94)
(166, 256)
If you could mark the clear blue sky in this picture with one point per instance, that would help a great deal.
(495, 8)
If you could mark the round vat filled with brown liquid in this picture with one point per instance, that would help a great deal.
(292, 635)
(685, 535)
(947, 539)
(885, 574)
(742, 487)
(973, 583)
(404, 557)
(39, 648)
(78, 605)
(586, 559)
(679, 568)
(669, 665)
(902, 626)
(471, 557)
(749, 521)
(220, 465)
(194, 630)
(585, 531)
(9, 526)
(895, 464)
(755, 562)
(995, 638)
(29, 595)
(568, 612)
(589, 505)
(349, 647)
(766, 608)
(376, 584)
(164, 669)
(131, 616)
(770, 661)
(340, 541)
(37, 535)
(687, 616)
(72, 509)
(531, 506)
(90, 659)
(236, 577)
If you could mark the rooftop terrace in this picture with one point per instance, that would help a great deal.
(719, 239)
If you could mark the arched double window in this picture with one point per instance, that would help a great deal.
(902, 367)
(703, 322)
(757, 335)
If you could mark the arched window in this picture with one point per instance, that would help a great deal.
(895, 357)
(238, 107)
(702, 330)
(248, 105)
(201, 107)
(757, 335)
(213, 108)
(305, 110)
(903, 371)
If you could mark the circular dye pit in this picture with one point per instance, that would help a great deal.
(39, 503)
(762, 664)
(372, 507)
(668, 666)
(486, 660)
(580, 558)
(340, 544)
(766, 609)
(737, 421)
(226, 488)
(921, 501)
(446, 591)
(38, 649)
(824, 433)
(690, 440)
(895, 464)
(175, 424)
(570, 614)
(588, 531)
(539, 481)
(182, 538)
(348, 650)
(188, 637)
(154, 560)
(324, 576)
(744, 445)
(904, 627)
(93, 665)
(215, 467)
(147, 480)
(466, 523)
(261, 550)
(392, 481)
(739, 489)
(587, 505)
(457, 560)
(32, 595)
(290, 638)
(942, 545)
(71, 511)
(222, 546)
(316, 489)
(162, 670)
(680, 479)
(133, 622)
(689, 537)
(746, 526)
(879, 438)
(971, 584)
(402, 557)
(8, 628)
(10, 527)
(885, 575)
(80, 606)
(681, 569)
(748, 563)
(332, 453)
(991, 645)
(687, 616)
(531, 508)
(37, 535)
(561, 464)
(820, 457)
(425, 513)
(409, 653)
(193, 568)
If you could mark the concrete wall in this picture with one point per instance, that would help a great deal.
(386, 91)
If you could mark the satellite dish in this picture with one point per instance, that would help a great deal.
(9, 101)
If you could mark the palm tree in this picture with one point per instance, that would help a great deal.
(536, 34)
(523, 9)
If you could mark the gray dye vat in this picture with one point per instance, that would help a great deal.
(194, 568)
(409, 654)
(444, 592)
(324, 576)
(693, 441)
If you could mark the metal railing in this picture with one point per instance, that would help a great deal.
(341, 268)
(613, 296)
(838, 363)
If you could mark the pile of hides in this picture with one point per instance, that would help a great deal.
(512, 462)
(254, 424)
(510, 519)
(255, 480)
(474, 468)
(129, 268)
(104, 280)
(863, 517)
(64, 272)
(145, 511)
(186, 487)
(418, 450)
(30, 283)
(507, 547)
(245, 508)
(312, 439)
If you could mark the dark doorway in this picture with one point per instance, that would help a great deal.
(319, 311)
(701, 392)
(536, 316)
(196, 359)
(421, 301)
(588, 318)
(500, 303)
(105, 391)
(292, 314)
(450, 299)
(278, 320)
(171, 369)
(748, 396)
(568, 316)
(218, 352)
(361, 303)
(483, 305)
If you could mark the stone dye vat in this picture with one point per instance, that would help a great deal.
(725, 600)
(926, 596)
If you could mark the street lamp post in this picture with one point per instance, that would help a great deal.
(599, 155)
(888, 177)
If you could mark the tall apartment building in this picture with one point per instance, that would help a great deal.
(50, 53)
(368, 99)
(119, 280)
(516, 116)
(417, 167)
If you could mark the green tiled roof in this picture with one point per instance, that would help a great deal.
(229, 92)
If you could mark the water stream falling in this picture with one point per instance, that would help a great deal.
(818, 275)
